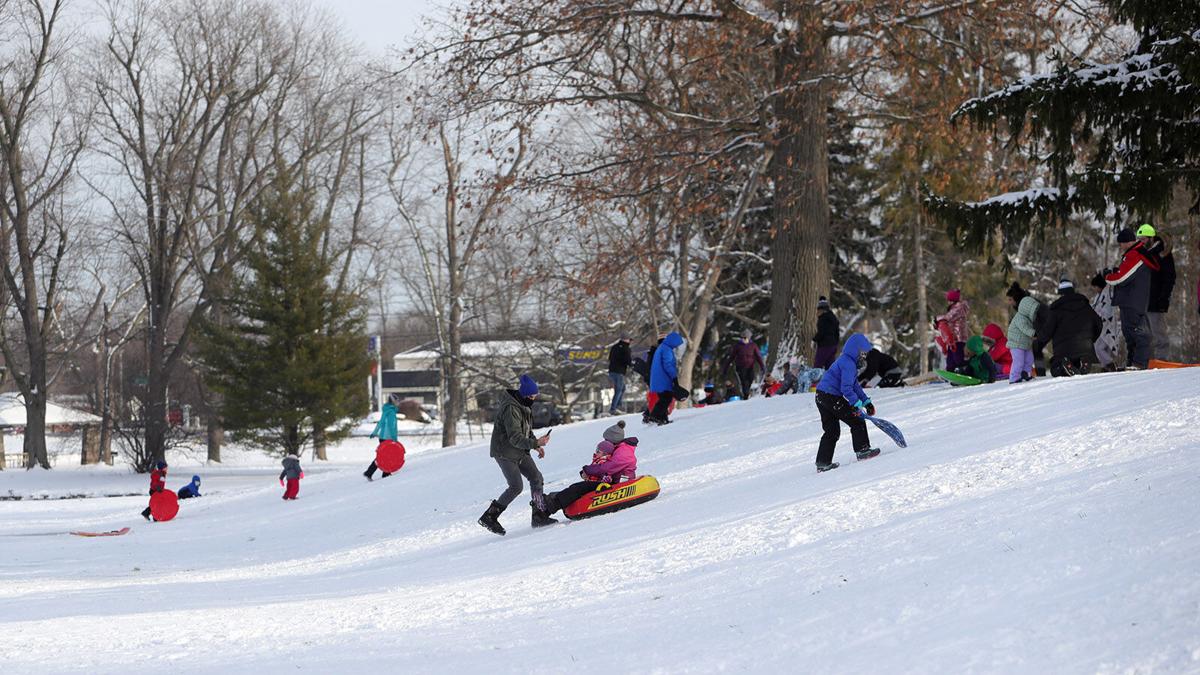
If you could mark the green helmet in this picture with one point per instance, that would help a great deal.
(1146, 230)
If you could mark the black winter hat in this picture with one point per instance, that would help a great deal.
(1125, 236)
(822, 303)
(1016, 292)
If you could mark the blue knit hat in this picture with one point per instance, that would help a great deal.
(528, 387)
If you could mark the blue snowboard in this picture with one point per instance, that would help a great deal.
(890, 429)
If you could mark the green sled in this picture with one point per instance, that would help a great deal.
(956, 379)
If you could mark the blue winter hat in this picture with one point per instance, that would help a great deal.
(528, 388)
(196, 480)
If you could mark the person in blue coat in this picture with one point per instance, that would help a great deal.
(664, 374)
(385, 430)
(190, 490)
(839, 399)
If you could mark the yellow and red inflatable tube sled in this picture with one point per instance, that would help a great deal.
(613, 498)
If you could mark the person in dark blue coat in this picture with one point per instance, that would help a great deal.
(664, 374)
(839, 399)
(190, 490)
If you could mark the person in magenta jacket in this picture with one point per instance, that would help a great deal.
(618, 467)
(955, 317)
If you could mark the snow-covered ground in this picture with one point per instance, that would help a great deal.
(1045, 527)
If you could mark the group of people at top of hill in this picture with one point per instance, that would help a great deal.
(1131, 300)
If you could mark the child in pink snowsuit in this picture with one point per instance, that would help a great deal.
(615, 461)
(956, 318)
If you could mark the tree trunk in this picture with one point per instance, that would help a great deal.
(800, 170)
(35, 428)
(319, 444)
(216, 437)
(452, 372)
(922, 293)
(155, 406)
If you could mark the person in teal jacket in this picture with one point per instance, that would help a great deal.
(1021, 332)
(385, 430)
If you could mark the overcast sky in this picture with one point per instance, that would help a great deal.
(379, 24)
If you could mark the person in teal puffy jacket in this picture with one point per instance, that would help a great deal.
(1021, 332)
(385, 430)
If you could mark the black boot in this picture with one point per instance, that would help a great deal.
(541, 517)
(866, 453)
(822, 468)
(489, 519)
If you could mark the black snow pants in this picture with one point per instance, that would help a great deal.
(834, 410)
(745, 380)
(566, 496)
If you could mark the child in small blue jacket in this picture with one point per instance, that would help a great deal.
(190, 490)
(840, 398)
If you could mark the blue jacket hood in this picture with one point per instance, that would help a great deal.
(857, 344)
(673, 340)
(196, 481)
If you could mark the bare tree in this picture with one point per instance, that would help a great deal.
(480, 158)
(41, 137)
(200, 99)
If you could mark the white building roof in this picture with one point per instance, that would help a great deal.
(12, 413)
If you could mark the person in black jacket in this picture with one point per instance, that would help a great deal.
(1073, 327)
(619, 360)
(1162, 284)
(828, 335)
(883, 365)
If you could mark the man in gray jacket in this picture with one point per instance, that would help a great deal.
(512, 440)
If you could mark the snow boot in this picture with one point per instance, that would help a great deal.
(489, 519)
(822, 468)
(540, 518)
(866, 453)
(368, 475)
(541, 510)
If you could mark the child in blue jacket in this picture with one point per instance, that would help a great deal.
(190, 490)
(841, 399)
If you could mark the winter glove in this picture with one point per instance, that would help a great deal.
(583, 474)
(281, 482)
(870, 408)
(302, 474)
(858, 408)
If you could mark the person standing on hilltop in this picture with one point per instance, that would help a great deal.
(955, 319)
(664, 379)
(1131, 294)
(829, 333)
(1162, 284)
(619, 360)
(745, 356)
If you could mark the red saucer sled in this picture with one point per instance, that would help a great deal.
(389, 456)
(164, 505)
(614, 498)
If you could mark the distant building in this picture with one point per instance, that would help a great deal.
(569, 375)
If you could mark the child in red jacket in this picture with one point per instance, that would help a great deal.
(158, 482)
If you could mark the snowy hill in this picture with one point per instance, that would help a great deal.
(1046, 527)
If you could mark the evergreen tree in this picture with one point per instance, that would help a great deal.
(1120, 134)
(292, 356)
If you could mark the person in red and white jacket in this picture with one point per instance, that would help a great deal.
(1131, 292)
(158, 483)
